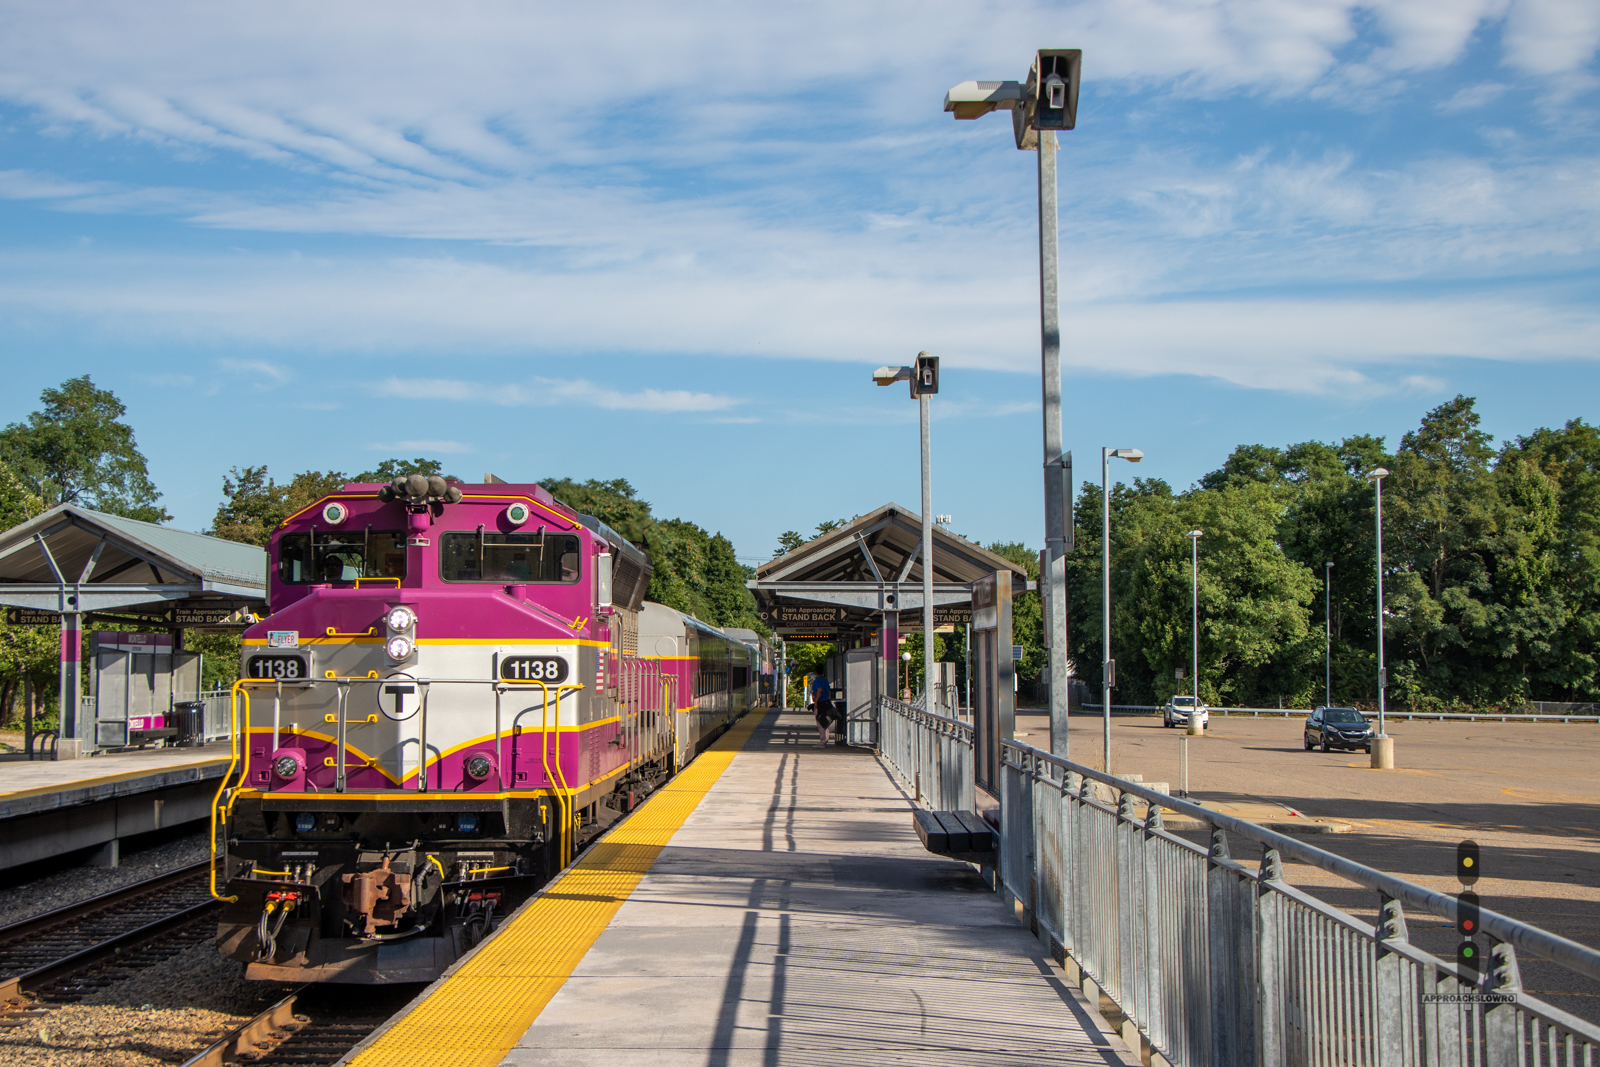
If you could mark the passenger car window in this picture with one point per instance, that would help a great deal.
(508, 558)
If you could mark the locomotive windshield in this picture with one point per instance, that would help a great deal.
(492, 556)
(344, 556)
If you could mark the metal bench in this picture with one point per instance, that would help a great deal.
(961, 835)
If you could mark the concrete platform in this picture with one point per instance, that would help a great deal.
(794, 918)
(48, 809)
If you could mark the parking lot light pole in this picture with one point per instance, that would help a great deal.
(1327, 627)
(1383, 744)
(1194, 604)
(1046, 102)
(1108, 668)
(924, 378)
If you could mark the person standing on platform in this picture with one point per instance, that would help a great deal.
(821, 706)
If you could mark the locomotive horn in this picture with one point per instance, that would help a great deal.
(417, 487)
(437, 487)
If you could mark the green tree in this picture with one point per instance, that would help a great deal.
(254, 505)
(693, 571)
(390, 469)
(18, 501)
(1254, 633)
(613, 502)
(76, 450)
(1567, 665)
(1027, 611)
(788, 541)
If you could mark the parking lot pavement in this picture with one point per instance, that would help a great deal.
(1528, 793)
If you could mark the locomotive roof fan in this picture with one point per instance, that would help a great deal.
(420, 490)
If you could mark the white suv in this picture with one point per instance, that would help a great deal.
(1178, 710)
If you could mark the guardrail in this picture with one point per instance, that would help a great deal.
(1214, 964)
(1286, 713)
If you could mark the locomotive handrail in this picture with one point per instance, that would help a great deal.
(239, 690)
(378, 578)
(368, 632)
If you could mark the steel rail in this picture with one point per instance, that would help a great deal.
(1541, 943)
(24, 928)
(245, 1037)
(57, 969)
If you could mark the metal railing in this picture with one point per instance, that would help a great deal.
(1427, 716)
(931, 752)
(1216, 964)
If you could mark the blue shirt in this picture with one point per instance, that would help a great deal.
(820, 689)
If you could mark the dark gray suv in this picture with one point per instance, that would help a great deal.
(1338, 728)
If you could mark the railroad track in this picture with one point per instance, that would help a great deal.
(311, 1027)
(64, 955)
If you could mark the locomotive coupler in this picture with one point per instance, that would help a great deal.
(385, 891)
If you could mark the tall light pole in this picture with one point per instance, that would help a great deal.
(1194, 602)
(1383, 744)
(1046, 102)
(1327, 626)
(924, 378)
(1108, 669)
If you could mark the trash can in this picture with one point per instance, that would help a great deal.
(191, 723)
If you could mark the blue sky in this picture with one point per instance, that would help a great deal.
(671, 244)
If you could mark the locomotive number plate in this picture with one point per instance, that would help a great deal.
(534, 668)
(284, 668)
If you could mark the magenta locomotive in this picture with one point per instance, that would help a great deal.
(455, 688)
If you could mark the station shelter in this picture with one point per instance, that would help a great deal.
(70, 565)
(859, 587)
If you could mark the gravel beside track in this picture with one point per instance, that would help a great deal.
(160, 1015)
(57, 889)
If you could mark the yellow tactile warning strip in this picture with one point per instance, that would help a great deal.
(477, 1014)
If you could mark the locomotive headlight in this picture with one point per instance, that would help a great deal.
(401, 618)
(335, 513)
(517, 514)
(399, 647)
(480, 767)
(286, 767)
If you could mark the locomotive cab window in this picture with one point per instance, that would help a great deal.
(492, 556)
(304, 558)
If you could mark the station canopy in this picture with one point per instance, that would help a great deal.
(853, 580)
(71, 559)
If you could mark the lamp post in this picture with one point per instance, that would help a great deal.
(1327, 627)
(924, 378)
(1194, 623)
(1108, 669)
(1045, 103)
(905, 688)
(1383, 744)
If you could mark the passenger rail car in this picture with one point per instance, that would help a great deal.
(455, 688)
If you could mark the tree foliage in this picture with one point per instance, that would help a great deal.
(77, 450)
(695, 571)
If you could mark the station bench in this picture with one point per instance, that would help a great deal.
(961, 835)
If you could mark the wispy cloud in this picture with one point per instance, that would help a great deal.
(446, 448)
(260, 373)
(545, 392)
